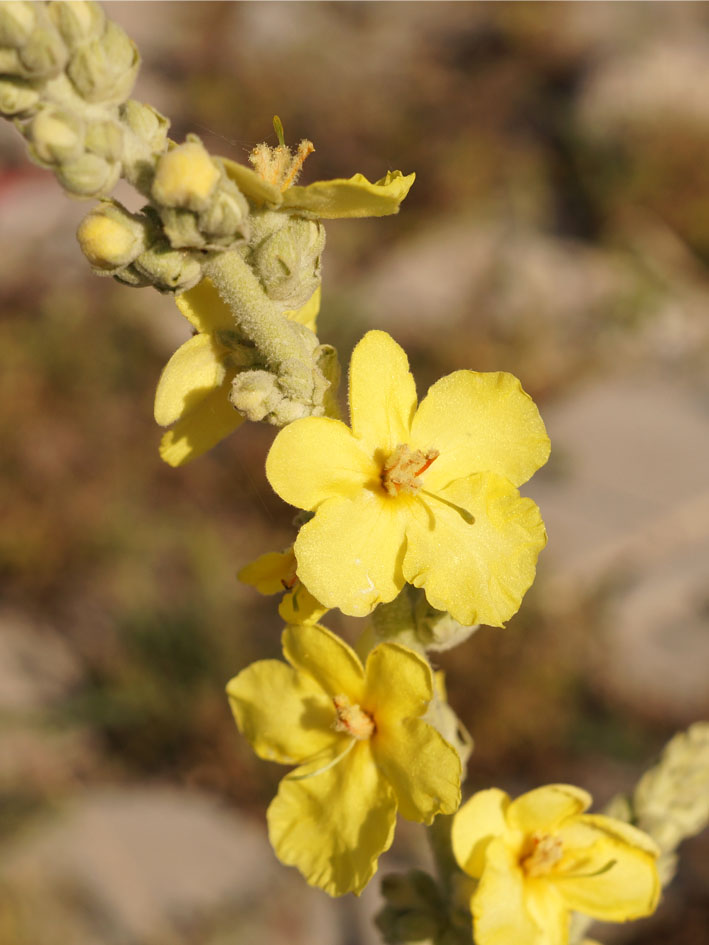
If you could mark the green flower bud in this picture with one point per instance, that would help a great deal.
(186, 177)
(16, 96)
(56, 135)
(227, 216)
(436, 629)
(78, 21)
(104, 70)
(44, 54)
(89, 176)
(181, 228)
(17, 20)
(130, 276)
(169, 270)
(258, 395)
(111, 238)
(105, 138)
(10, 64)
(146, 123)
(288, 261)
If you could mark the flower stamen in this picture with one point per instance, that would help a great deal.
(402, 469)
(352, 720)
(546, 851)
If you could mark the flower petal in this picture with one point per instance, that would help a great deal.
(307, 314)
(548, 911)
(252, 184)
(382, 394)
(351, 197)
(334, 825)
(478, 821)
(322, 655)
(285, 714)
(299, 606)
(399, 683)
(268, 572)
(608, 870)
(208, 423)
(545, 808)
(421, 766)
(349, 555)
(204, 308)
(499, 905)
(193, 372)
(479, 423)
(473, 547)
(315, 459)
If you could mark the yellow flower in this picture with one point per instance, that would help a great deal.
(539, 857)
(326, 199)
(274, 573)
(362, 748)
(193, 391)
(423, 495)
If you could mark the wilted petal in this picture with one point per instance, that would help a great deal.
(351, 197)
(473, 547)
(284, 714)
(479, 423)
(349, 555)
(334, 825)
(382, 394)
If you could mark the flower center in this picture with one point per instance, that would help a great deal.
(352, 720)
(542, 853)
(279, 165)
(403, 467)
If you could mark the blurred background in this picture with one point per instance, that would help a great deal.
(558, 229)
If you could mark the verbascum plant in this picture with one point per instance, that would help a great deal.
(410, 516)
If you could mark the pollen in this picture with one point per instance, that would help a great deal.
(402, 469)
(542, 853)
(352, 720)
(280, 166)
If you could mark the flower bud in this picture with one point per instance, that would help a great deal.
(181, 228)
(17, 20)
(56, 135)
(44, 54)
(226, 218)
(436, 629)
(78, 22)
(169, 270)
(104, 70)
(105, 138)
(146, 123)
(185, 177)
(288, 261)
(89, 176)
(110, 237)
(16, 96)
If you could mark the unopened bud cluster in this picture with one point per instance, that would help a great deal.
(417, 912)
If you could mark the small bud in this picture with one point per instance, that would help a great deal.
(436, 629)
(185, 177)
(78, 22)
(104, 70)
(44, 54)
(288, 261)
(110, 237)
(16, 96)
(169, 270)
(105, 138)
(56, 135)
(181, 228)
(10, 64)
(89, 176)
(255, 394)
(146, 123)
(17, 20)
(226, 218)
